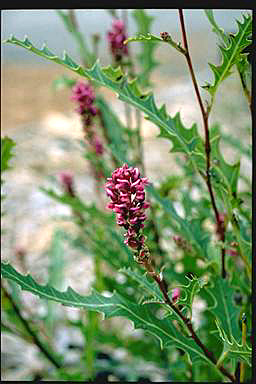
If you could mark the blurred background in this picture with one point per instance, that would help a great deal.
(46, 129)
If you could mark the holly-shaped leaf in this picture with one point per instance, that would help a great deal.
(234, 350)
(112, 306)
(224, 308)
(231, 51)
(187, 141)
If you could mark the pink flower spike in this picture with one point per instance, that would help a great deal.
(126, 190)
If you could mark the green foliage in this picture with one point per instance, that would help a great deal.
(184, 140)
(135, 295)
(115, 305)
(63, 81)
(116, 132)
(7, 145)
(146, 55)
(6, 152)
(231, 51)
(224, 175)
(224, 308)
(87, 56)
(190, 229)
(149, 38)
(189, 291)
(232, 349)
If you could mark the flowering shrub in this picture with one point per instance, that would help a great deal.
(157, 265)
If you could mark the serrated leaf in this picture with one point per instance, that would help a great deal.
(224, 308)
(112, 306)
(233, 350)
(182, 226)
(216, 29)
(224, 175)
(188, 292)
(150, 287)
(184, 140)
(231, 51)
(86, 54)
(150, 38)
(242, 64)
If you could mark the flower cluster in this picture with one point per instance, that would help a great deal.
(84, 95)
(126, 190)
(116, 38)
(175, 294)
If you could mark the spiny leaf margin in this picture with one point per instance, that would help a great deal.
(115, 305)
(184, 140)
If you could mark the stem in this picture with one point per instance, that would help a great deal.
(185, 320)
(205, 115)
(245, 89)
(45, 350)
(242, 366)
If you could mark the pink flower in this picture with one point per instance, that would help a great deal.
(66, 179)
(175, 294)
(116, 38)
(98, 146)
(232, 252)
(84, 95)
(126, 190)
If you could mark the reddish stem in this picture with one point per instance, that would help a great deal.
(205, 116)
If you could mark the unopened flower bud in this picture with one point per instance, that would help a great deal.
(165, 36)
(66, 179)
(175, 294)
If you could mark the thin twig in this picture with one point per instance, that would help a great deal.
(205, 115)
(185, 320)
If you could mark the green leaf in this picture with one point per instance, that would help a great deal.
(63, 81)
(149, 38)
(146, 55)
(237, 144)
(224, 175)
(233, 350)
(6, 153)
(192, 232)
(184, 140)
(150, 287)
(188, 292)
(115, 130)
(231, 51)
(216, 29)
(112, 306)
(224, 308)
(85, 53)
